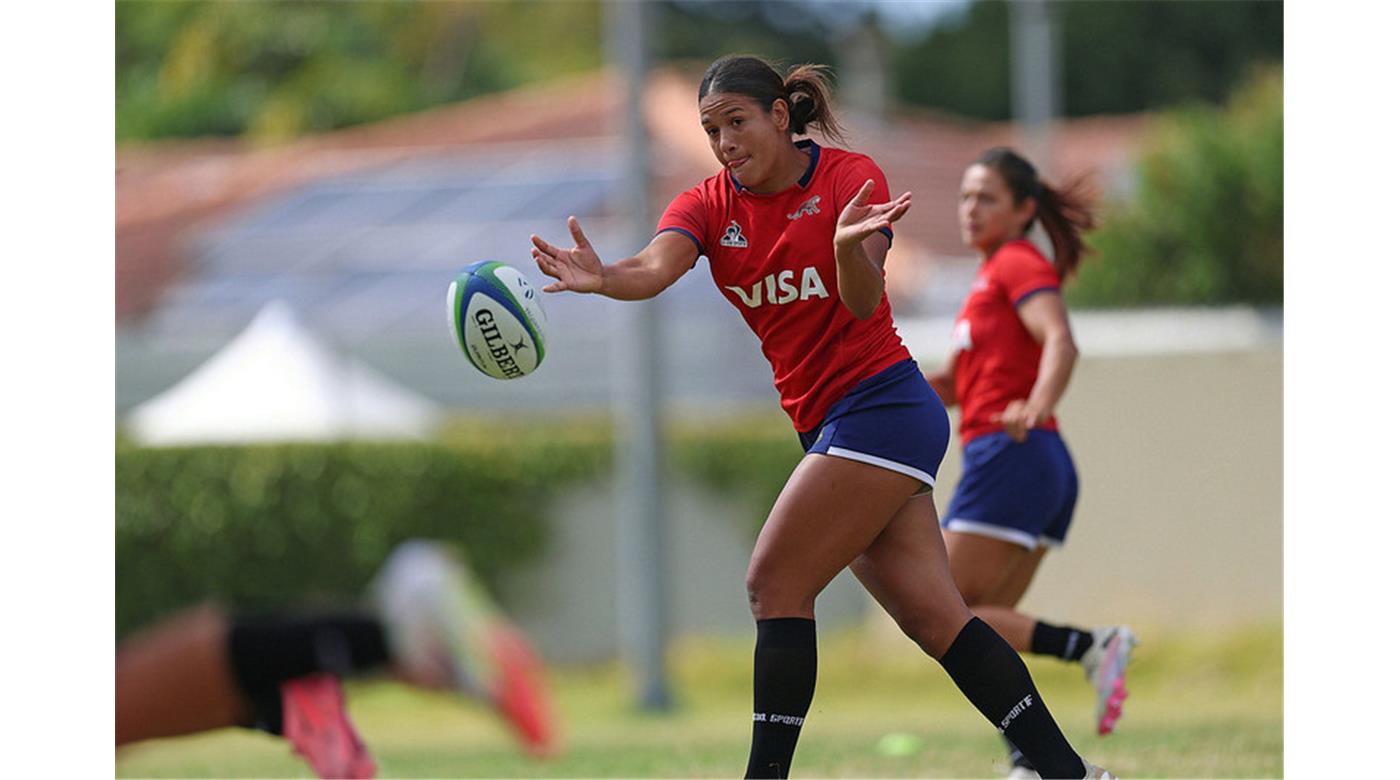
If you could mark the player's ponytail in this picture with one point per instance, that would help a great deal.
(1065, 212)
(806, 90)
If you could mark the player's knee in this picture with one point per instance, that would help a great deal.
(976, 596)
(933, 629)
(772, 596)
(975, 586)
(921, 628)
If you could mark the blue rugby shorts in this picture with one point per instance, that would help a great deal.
(1021, 493)
(892, 419)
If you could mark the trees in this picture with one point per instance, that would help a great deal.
(1206, 224)
(276, 70)
(1116, 57)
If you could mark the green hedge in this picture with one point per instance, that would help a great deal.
(1206, 224)
(265, 526)
(750, 460)
(268, 526)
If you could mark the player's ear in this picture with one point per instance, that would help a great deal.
(1025, 211)
(781, 116)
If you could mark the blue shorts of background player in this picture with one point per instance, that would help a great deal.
(892, 419)
(1021, 493)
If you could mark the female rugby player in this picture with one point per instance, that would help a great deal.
(796, 236)
(1013, 354)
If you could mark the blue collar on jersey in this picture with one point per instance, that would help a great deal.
(806, 179)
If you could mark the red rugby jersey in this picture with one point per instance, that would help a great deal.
(998, 359)
(771, 256)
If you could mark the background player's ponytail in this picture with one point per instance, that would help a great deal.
(1065, 212)
(806, 89)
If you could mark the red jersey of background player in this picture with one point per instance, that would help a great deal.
(772, 257)
(998, 359)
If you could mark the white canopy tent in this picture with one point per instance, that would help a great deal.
(276, 382)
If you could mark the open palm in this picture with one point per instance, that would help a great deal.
(860, 218)
(577, 269)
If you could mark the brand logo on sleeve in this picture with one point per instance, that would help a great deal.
(734, 236)
(809, 207)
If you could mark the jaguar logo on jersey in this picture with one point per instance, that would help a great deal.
(734, 236)
(778, 288)
(809, 207)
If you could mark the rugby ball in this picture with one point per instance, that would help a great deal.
(497, 319)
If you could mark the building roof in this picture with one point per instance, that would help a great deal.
(171, 195)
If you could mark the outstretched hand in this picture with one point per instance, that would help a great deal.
(860, 218)
(577, 269)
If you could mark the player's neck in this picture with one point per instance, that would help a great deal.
(986, 252)
(792, 169)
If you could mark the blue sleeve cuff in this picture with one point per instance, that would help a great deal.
(698, 246)
(1037, 290)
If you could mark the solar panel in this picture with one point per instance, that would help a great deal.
(363, 259)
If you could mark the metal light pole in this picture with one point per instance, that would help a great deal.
(640, 523)
(1035, 76)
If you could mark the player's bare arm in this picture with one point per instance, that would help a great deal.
(944, 380)
(1044, 315)
(644, 275)
(860, 252)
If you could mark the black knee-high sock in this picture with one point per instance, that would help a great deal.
(268, 650)
(994, 678)
(1064, 642)
(784, 677)
(1014, 754)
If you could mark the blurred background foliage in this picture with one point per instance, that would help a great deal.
(276, 70)
(1206, 223)
(257, 526)
(1116, 57)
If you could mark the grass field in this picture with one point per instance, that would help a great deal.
(1202, 705)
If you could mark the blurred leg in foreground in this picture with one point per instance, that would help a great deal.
(432, 625)
(203, 670)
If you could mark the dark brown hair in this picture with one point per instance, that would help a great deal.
(1066, 212)
(806, 89)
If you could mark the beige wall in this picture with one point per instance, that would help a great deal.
(1180, 519)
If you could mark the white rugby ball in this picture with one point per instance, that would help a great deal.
(497, 319)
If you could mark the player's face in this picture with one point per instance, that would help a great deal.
(988, 214)
(747, 140)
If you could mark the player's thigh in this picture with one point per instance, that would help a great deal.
(906, 569)
(1009, 593)
(982, 565)
(830, 510)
